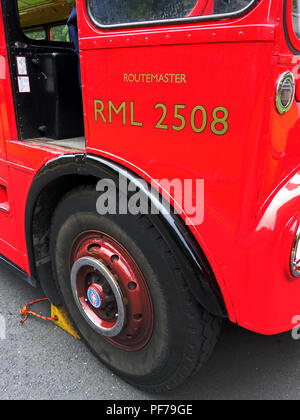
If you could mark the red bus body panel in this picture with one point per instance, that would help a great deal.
(251, 173)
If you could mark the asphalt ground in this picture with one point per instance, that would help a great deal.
(41, 361)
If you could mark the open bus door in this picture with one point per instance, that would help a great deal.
(40, 95)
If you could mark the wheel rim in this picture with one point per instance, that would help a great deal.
(110, 290)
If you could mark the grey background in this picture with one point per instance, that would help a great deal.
(40, 361)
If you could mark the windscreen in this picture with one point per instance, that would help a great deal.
(114, 12)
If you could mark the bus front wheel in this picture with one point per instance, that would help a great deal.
(127, 295)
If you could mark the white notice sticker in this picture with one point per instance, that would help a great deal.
(24, 84)
(22, 66)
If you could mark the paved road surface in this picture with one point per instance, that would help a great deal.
(40, 361)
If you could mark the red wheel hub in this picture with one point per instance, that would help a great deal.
(111, 291)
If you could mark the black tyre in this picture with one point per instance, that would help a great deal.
(127, 295)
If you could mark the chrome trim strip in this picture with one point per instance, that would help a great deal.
(280, 108)
(101, 268)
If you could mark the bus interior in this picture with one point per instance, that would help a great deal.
(44, 68)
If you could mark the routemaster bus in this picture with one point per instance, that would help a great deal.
(149, 180)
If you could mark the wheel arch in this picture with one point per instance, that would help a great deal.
(67, 172)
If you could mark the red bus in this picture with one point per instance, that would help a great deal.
(170, 94)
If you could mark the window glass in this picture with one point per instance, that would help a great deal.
(60, 33)
(229, 6)
(296, 17)
(112, 12)
(38, 34)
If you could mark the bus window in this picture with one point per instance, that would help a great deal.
(296, 17)
(44, 13)
(59, 33)
(114, 12)
(36, 33)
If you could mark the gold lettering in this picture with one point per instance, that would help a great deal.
(98, 110)
(112, 108)
(221, 121)
(204, 119)
(180, 117)
(172, 77)
(160, 124)
(132, 122)
(178, 78)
